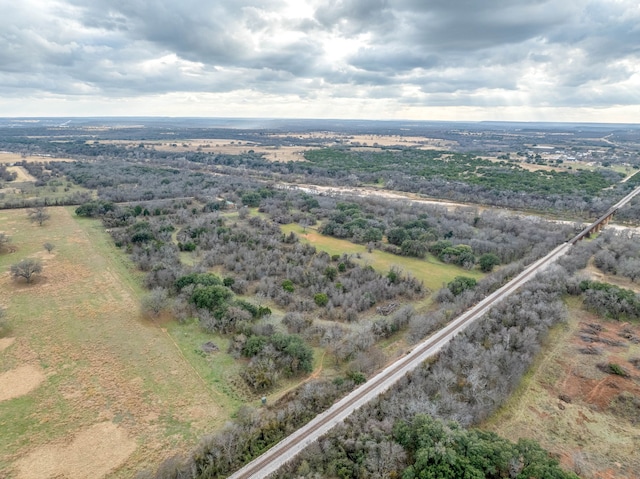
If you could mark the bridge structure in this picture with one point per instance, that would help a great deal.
(604, 220)
(284, 451)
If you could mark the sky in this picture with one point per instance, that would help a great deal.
(519, 60)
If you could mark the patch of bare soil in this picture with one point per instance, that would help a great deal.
(597, 275)
(92, 454)
(605, 343)
(582, 401)
(372, 192)
(6, 342)
(52, 280)
(20, 381)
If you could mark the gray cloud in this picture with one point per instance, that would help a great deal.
(415, 52)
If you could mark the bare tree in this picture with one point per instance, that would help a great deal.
(26, 269)
(5, 239)
(3, 321)
(630, 267)
(38, 215)
(156, 301)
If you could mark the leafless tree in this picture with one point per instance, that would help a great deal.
(3, 321)
(39, 215)
(5, 239)
(155, 302)
(26, 269)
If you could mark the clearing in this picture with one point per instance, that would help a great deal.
(221, 146)
(22, 174)
(421, 142)
(7, 157)
(431, 271)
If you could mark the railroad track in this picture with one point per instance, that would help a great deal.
(288, 448)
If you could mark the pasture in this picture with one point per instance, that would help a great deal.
(88, 376)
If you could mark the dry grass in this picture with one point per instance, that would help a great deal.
(223, 146)
(583, 432)
(78, 459)
(6, 157)
(404, 141)
(23, 175)
(79, 323)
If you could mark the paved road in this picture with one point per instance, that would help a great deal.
(289, 447)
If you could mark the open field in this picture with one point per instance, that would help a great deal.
(7, 157)
(431, 271)
(375, 140)
(223, 146)
(586, 416)
(289, 153)
(29, 191)
(89, 376)
(23, 175)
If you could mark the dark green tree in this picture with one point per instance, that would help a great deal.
(487, 262)
(211, 297)
(461, 284)
(321, 299)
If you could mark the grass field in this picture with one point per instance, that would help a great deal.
(222, 146)
(431, 271)
(7, 157)
(101, 382)
(28, 191)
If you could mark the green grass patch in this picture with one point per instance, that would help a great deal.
(214, 368)
(433, 272)
(28, 191)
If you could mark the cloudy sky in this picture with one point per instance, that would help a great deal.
(555, 60)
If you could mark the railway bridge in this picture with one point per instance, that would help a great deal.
(288, 448)
(604, 220)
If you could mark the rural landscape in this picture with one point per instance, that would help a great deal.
(179, 295)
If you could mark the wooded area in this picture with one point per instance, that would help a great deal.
(206, 232)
